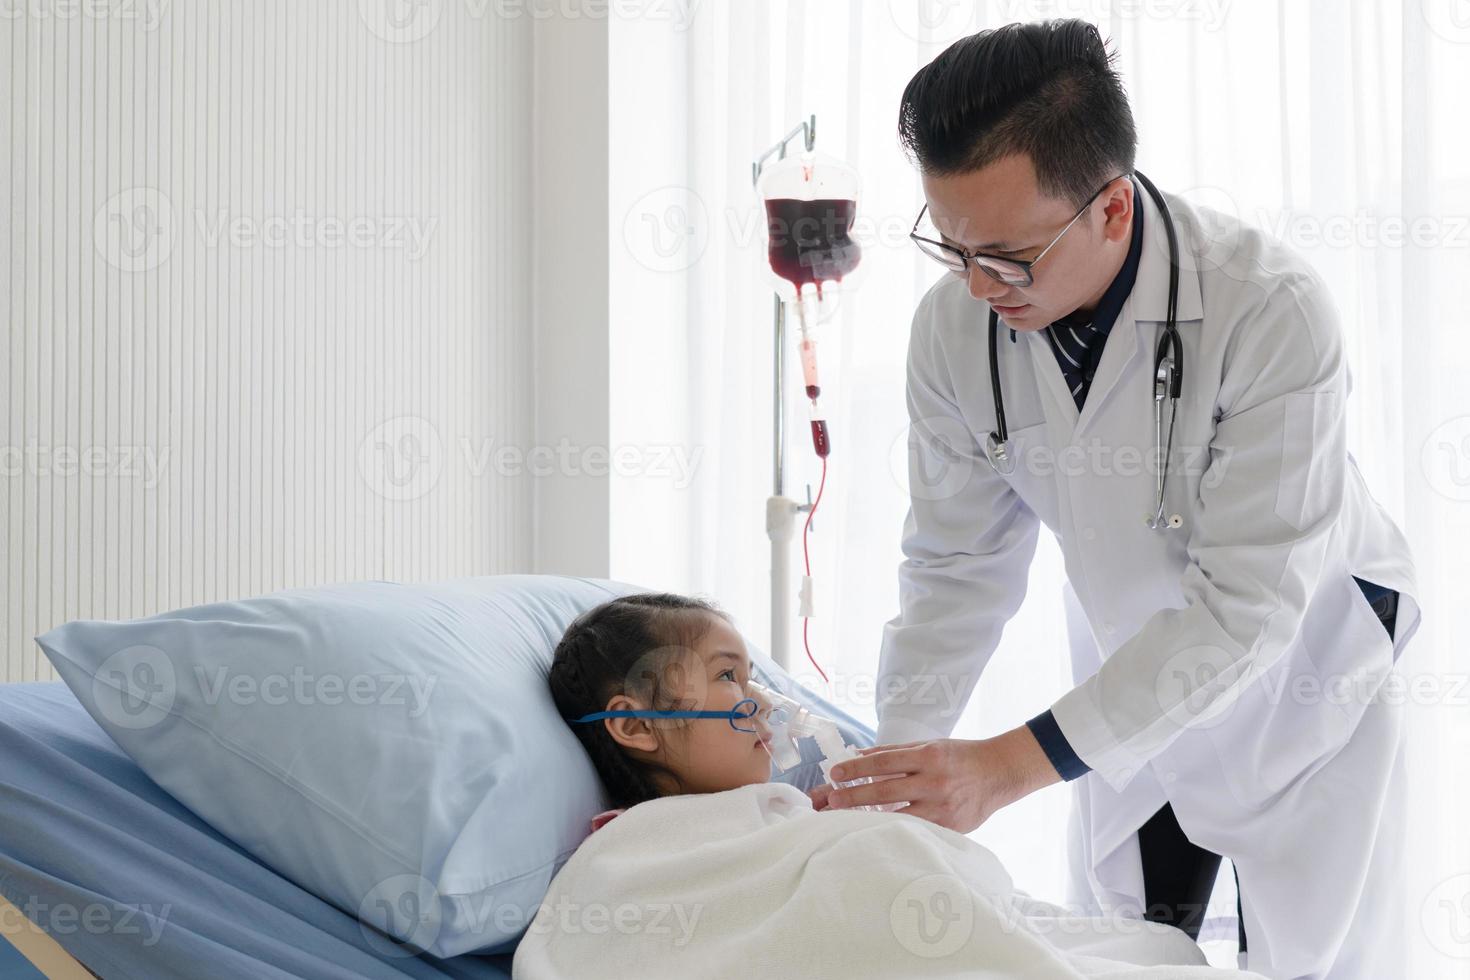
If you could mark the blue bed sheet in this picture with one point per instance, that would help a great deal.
(134, 885)
(14, 966)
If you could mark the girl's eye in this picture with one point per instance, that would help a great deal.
(731, 672)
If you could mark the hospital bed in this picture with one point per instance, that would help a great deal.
(103, 873)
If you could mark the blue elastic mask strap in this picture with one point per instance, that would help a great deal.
(732, 715)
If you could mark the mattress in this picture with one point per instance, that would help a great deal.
(132, 884)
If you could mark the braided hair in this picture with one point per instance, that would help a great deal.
(603, 654)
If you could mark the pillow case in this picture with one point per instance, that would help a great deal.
(392, 748)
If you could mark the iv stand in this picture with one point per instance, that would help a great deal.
(781, 511)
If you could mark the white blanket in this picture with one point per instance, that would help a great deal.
(754, 883)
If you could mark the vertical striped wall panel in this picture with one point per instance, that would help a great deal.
(264, 276)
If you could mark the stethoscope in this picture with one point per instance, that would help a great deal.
(1168, 381)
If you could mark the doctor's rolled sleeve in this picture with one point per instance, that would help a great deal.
(968, 541)
(1257, 540)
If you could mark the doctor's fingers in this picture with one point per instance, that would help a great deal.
(891, 788)
(883, 748)
(882, 760)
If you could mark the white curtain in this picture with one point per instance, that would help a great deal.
(1336, 126)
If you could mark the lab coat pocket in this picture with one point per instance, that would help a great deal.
(1034, 475)
(1357, 654)
(1297, 715)
(1280, 730)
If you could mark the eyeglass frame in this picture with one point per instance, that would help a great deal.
(1024, 265)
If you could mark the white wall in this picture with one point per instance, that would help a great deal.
(186, 417)
(571, 276)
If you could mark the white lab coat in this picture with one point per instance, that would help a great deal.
(1201, 655)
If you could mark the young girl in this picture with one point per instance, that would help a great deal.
(659, 651)
(733, 875)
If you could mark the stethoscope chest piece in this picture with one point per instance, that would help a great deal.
(998, 452)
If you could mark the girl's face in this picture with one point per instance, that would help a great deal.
(709, 754)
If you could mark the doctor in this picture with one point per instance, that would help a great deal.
(1231, 616)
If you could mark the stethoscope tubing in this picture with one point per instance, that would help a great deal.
(1168, 369)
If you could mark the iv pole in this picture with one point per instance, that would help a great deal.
(781, 510)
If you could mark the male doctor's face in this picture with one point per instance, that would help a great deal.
(1000, 210)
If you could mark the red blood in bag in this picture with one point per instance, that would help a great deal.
(810, 241)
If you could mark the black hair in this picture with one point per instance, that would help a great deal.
(605, 652)
(1046, 89)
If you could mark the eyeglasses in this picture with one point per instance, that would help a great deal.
(1012, 272)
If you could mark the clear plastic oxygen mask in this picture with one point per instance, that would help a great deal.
(769, 711)
(788, 721)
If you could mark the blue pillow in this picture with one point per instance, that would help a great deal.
(391, 748)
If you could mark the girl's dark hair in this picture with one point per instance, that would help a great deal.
(1045, 89)
(625, 646)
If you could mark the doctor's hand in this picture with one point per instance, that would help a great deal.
(955, 783)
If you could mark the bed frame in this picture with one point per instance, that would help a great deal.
(35, 945)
